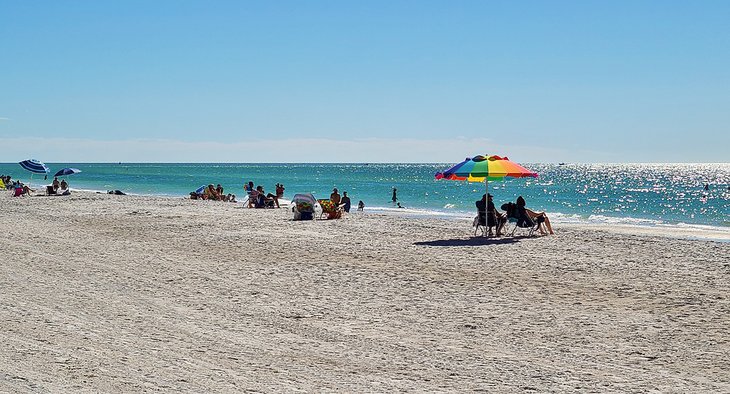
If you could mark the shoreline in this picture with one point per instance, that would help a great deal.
(676, 230)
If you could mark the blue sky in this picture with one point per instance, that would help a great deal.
(391, 81)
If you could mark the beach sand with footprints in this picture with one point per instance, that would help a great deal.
(104, 293)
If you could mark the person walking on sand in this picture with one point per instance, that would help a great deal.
(361, 205)
(395, 195)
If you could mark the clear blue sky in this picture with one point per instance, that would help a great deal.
(573, 81)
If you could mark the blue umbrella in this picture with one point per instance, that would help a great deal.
(200, 190)
(67, 171)
(35, 166)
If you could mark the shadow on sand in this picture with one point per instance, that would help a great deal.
(474, 241)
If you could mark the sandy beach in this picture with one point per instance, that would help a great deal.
(104, 293)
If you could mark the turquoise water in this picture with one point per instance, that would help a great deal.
(647, 194)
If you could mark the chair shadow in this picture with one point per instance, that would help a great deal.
(473, 241)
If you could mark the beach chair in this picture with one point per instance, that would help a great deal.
(330, 209)
(486, 228)
(303, 206)
(517, 222)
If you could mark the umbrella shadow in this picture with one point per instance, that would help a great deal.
(473, 241)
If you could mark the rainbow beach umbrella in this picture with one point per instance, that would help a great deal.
(484, 169)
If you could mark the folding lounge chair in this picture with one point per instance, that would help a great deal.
(329, 208)
(486, 228)
(528, 224)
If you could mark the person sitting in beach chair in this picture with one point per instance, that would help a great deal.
(540, 219)
(488, 217)
(521, 218)
(251, 193)
(514, 218)
(264, 200)
(52, 189)
(330, 209)
(303, 206)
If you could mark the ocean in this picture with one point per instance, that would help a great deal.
(639, 194)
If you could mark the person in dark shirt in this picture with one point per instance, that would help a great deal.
(531, 217)
(345, 202)
(485, 207)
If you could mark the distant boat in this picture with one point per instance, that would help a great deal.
(561, 164)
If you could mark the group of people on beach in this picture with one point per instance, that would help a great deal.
(344, 201)
(21, 189)
(6, 180)
(258, 198)
(489, 216)
(213, 193)
(58, 187)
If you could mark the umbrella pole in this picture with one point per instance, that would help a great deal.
(486, 218)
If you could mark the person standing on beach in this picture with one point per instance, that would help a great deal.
(346, 202)
(335, 197)
(395, 196)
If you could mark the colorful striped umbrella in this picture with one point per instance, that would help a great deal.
(484, 169)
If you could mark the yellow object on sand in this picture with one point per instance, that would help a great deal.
(2, 184)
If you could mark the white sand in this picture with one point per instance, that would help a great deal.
(106, 293)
